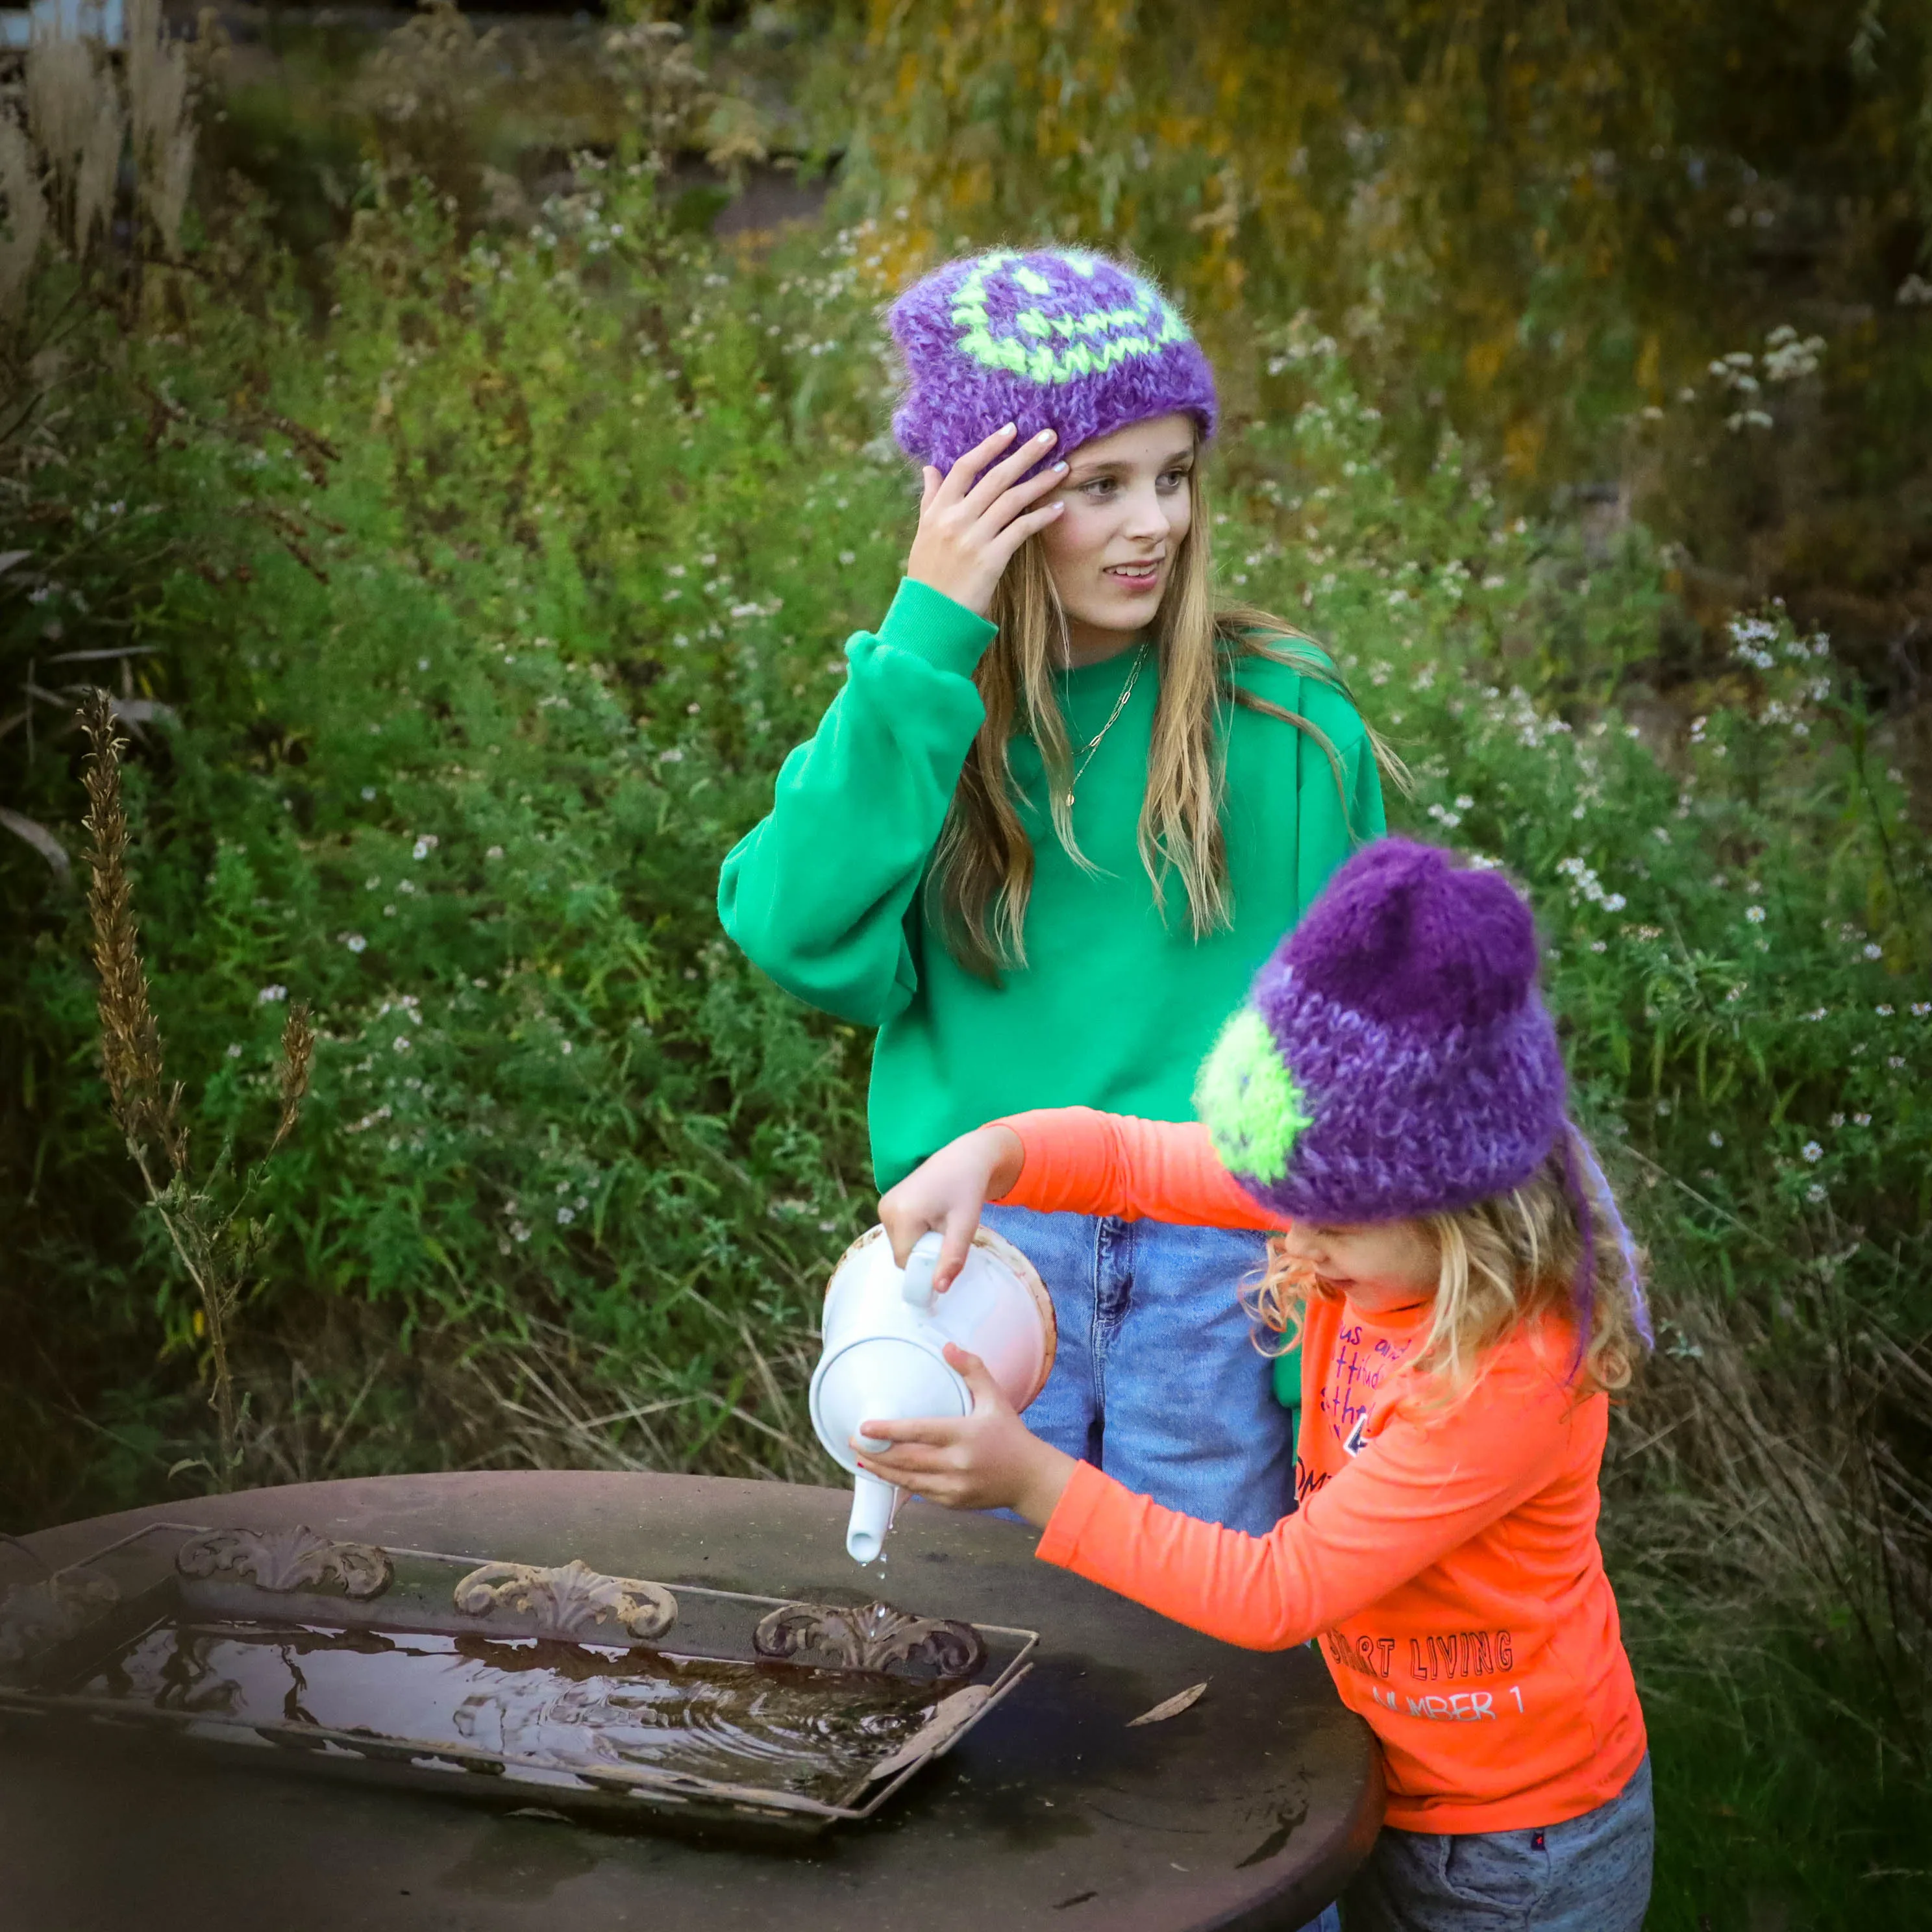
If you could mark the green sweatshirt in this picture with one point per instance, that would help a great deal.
(1116, 1008)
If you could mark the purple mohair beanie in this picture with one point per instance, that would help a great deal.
(1395, 1058)
(1053, 338)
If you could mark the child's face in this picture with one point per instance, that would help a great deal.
(1113, 547)
(1378, 1264)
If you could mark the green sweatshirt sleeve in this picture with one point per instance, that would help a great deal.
(817, 892)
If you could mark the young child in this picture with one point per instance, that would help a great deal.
(1392, 1099)
(1062, 779)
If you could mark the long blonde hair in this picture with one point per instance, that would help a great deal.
(1513, 1259)
(983, 869)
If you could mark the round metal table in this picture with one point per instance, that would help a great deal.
(1249, 1809)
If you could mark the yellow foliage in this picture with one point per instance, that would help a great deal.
(1523, 447)
(1649, 357)
(1468, 190)
(1485, 357)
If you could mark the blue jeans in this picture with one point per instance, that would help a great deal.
(1157, 1380)
(1587, 1874)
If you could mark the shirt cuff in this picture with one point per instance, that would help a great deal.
(1086, 1489)
(928, 625)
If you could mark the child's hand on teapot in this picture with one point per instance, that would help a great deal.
(947, 1192)
(989, 1459)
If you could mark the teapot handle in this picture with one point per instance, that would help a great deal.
(920, 1266)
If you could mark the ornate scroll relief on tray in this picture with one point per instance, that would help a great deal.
(573, 1600)
(873, 1636)
(282, 1560)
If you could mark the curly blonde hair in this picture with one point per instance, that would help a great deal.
(1509, 1260)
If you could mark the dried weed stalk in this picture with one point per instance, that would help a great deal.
(216, 1242)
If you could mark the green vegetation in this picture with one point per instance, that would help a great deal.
(460, 594)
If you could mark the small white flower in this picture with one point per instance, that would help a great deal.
(564, 1048)
(372, 884)
(1812, 1152)
(1895, 1062)
(1599, 945)
(1883, 1012)
(1814, 1192)
(422, 663)
(1616, 902)
(1873, 951)
(1837, 1119)
(400, 1044)
(1716, 1139)
(422, 848)
(234, 1052)
(565, 1215)
(269, 995)
(368, 791)
(1755, 914)
(1862, 1119)
(494, 852)
(355, 942)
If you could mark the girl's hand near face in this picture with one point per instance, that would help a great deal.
(970, 524)
(947, 1192)
(989, 1459)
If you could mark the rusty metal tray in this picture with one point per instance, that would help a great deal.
(556, 1688)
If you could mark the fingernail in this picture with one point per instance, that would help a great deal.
(1007, 429)
(1045, 436)
(1060, 468)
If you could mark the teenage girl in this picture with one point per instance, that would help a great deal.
(1390, 1099)
(1061, 781)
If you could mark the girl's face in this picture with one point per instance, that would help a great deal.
(1379, 1265)
(1112, 550)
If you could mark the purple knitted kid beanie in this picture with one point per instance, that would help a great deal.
(1054, 338)
(1394, 1058)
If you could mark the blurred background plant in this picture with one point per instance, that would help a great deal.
(463, 505)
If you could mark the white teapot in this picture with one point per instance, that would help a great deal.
(885, 1332)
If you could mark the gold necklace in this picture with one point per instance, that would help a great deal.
(1113, 718)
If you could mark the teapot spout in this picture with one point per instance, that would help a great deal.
(873, 1505)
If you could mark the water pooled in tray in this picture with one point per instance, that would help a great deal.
(776, 1726)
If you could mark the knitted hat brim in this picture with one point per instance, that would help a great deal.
(1400, 1121)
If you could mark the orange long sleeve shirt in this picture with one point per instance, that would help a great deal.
(1446, 1556)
